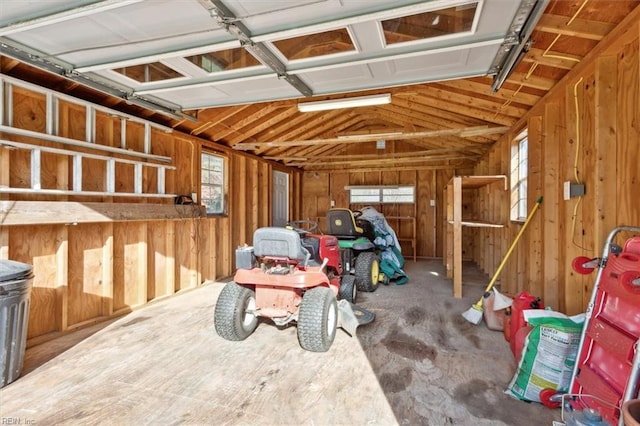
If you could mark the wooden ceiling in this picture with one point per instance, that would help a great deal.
(444, 124)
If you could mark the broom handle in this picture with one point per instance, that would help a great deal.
(513, 246)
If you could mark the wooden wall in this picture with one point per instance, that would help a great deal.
(601, 136)
(320, 188)
(100, 265)
(589, 120)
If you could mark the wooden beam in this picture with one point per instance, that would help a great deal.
(408, 113)
(410, 154)
(446, 165)
(51, 212)
(462, 132)
(553, 59)
(264, 124)
(591, 30)
(385, 161)
(531, 81)
(623, 33)
(485, 90)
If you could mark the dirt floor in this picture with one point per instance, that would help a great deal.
(419, 363)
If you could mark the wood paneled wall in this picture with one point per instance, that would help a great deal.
(586, 130)
(87, 272)
(320, 188)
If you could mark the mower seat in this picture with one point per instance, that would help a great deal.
(312, 244)
(342, 224)
(279, 242)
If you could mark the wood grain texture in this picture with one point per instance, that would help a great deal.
(62, 212)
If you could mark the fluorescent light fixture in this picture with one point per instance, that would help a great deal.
(345, 103)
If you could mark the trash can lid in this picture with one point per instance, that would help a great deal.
(11, 270)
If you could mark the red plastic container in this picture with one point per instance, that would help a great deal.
(516, 322)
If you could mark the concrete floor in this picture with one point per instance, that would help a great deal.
(419, 363)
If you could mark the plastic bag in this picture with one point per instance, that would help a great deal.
(549, 354)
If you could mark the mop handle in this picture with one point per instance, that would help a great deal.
(513, 245)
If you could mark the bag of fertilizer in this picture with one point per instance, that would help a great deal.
(548, 356)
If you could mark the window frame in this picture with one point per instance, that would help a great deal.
(223, 185)
(519, 168)
(381, 194)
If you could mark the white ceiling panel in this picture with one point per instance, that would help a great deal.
(144, 36)
(234, 93)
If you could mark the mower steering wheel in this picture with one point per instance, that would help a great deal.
(303, 227)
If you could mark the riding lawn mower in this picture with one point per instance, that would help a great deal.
(290, 275)
(357, 249)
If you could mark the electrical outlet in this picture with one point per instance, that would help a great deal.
(572, 190)
(333, 203)
(432, 203)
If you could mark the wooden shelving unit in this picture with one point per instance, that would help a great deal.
(453, 256)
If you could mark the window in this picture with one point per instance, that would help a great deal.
(437, 23)
(149, 72)
(381, 194)
(519, 171)
(224, 60)
(314, 45)
(212, 185)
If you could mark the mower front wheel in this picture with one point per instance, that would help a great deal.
(234, 315)
(317, 319)
(367, 271)
(348, 288)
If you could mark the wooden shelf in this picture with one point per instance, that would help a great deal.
(473, 224)
(453, 256)
(67, 212)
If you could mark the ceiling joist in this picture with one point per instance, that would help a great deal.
(461, 132)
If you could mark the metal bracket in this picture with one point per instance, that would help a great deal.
(227, 20)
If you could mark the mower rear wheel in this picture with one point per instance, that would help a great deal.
(348, 288)
(234, 315)
(317, 319)
(367, 271)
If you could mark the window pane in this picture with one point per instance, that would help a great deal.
(149, 72)
(365, 191)
(319, 44)
(224, 60)
(432, 24)
(212, 187)
(404, 194)
(519, 173)
(365, 199)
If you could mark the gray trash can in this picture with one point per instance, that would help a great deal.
(15, 291)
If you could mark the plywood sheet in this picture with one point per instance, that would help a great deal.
(129, 265)
(42, 247)
(86, 291)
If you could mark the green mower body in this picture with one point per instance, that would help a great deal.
(360, 244)
(357, 250)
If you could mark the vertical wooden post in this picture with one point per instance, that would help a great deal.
(62, 279)
(605, 149)
(550, 210)
(457, 236)
(534, 265)
(107, 268)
